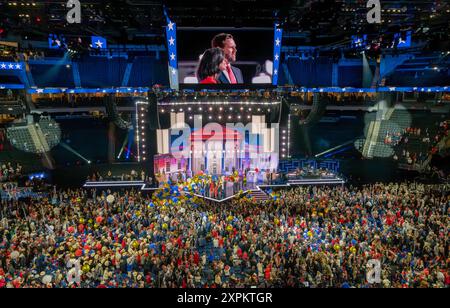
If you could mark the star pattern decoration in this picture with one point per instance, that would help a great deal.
(99, 44)
(3, 65)
(171, 41)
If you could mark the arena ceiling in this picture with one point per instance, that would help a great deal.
(138, 21)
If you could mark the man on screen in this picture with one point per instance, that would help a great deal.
(231, 74)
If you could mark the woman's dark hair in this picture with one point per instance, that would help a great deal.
(209, 64)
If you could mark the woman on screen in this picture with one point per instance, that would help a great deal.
(211, 64)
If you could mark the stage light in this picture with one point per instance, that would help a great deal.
(220, 108)
(162, 110)
(249, 109)
(231, 108)
(210, 117)
(172, 110)
(220, 117)
(239, 117)
(190, 118)
(242, 108)
(229, 117)
(189, 108)
(249, 117)
(200, 109)
(181, 110)
(210, 109)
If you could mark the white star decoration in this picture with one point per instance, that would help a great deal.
(40, 90)
(174, 71)
(3, 65)
(277, 41)
(275, 72)
(172, 56)
(99, 44)
(18, 66)
(171, 41)
(277, 57)
(170, 25)
(11, 66)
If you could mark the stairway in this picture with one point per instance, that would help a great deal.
(36, 139)
(368, 144)
(127, 74)
(258, 195)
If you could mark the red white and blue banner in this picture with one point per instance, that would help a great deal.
(278, 37)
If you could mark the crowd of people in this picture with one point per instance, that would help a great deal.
(429, 143)
(10, 171)
(133, 175)
(304, 237)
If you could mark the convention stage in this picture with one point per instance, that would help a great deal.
(229, 189)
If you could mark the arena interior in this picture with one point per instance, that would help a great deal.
(243, 144)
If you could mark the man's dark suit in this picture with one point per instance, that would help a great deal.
(237, 73)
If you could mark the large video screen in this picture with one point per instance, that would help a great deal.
(225, 56)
